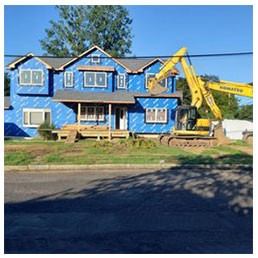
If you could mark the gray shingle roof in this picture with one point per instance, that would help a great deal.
(7, 102)
(56, 62)
(94, 97)
(134, 64)
(107, 97)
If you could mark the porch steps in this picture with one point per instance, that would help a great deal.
(72, 136)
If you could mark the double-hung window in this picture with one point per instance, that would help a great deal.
(151, 75)
(95, 79)
(156, 115)
(31, 77)
(121, 81)
(68, 79)
(92, 113)
(35, 117)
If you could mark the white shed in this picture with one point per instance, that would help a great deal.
(233, 129)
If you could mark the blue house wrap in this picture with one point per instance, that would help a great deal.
(63, 90)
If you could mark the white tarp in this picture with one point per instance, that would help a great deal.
(233, 129)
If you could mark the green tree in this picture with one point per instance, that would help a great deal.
(245, 112)
(80, 27)
(109, 28)
(67, 36)
(6, 84)
(227, 104)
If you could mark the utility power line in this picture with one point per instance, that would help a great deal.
(142, 57)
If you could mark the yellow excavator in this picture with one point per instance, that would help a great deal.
(191, 130)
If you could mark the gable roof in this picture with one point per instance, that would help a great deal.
(20, 59)
(87, 52)
(132, 65)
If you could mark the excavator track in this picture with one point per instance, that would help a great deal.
(188, 141)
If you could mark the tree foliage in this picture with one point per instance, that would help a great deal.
(108, 28)
(6, 84)
(228, 104)
(245, 112)
(80, 27)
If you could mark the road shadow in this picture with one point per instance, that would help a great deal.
(198, 209)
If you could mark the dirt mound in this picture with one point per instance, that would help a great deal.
(220, 136)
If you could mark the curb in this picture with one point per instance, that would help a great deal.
(62, 168)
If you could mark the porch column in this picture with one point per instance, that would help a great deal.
(79, 116)
(109, 122)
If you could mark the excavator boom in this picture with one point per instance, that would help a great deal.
(240, 89)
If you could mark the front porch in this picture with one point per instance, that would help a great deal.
(97, 115)
(90, 131)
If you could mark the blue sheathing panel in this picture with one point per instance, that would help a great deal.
(32, 63)
(66, 113)
(137, 113)
(79, 75)
(138, 82)
(61, 114)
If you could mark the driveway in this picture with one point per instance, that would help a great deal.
(203, 209)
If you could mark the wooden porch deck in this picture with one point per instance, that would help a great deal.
(88, 131)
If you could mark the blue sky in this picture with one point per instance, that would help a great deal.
(158, 30)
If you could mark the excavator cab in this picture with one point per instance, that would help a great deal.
(188, 122)
(186, 118)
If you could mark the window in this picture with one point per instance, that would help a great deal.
(92, 113)
(68, 79)
(95, 59)
(156, 115)
(31, 77)
(35, 117)
(95, 79)
(151, 75)
(121, 84)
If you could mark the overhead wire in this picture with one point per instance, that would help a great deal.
(140, 57)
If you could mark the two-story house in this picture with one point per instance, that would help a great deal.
(94, 88)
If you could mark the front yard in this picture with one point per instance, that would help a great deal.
(36, 151)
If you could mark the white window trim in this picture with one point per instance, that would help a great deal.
(65, 84)
(95, 114)
(146, 80)
(29, 110)
(156, 114)
(20, 72)
(117, 81)
(92, 59)
(95, 80)
(31, 84)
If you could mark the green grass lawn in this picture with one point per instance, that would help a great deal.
(37, 151)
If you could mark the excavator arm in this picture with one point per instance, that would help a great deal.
(196, 85)
(235, 88)
(166, 70)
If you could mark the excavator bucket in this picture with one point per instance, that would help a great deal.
(155, 88)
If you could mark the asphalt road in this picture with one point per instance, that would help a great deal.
(182, 210)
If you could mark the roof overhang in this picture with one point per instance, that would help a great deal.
(94, 97)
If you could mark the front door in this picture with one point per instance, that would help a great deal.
(121, 118)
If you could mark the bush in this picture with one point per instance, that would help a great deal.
(45, 131)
